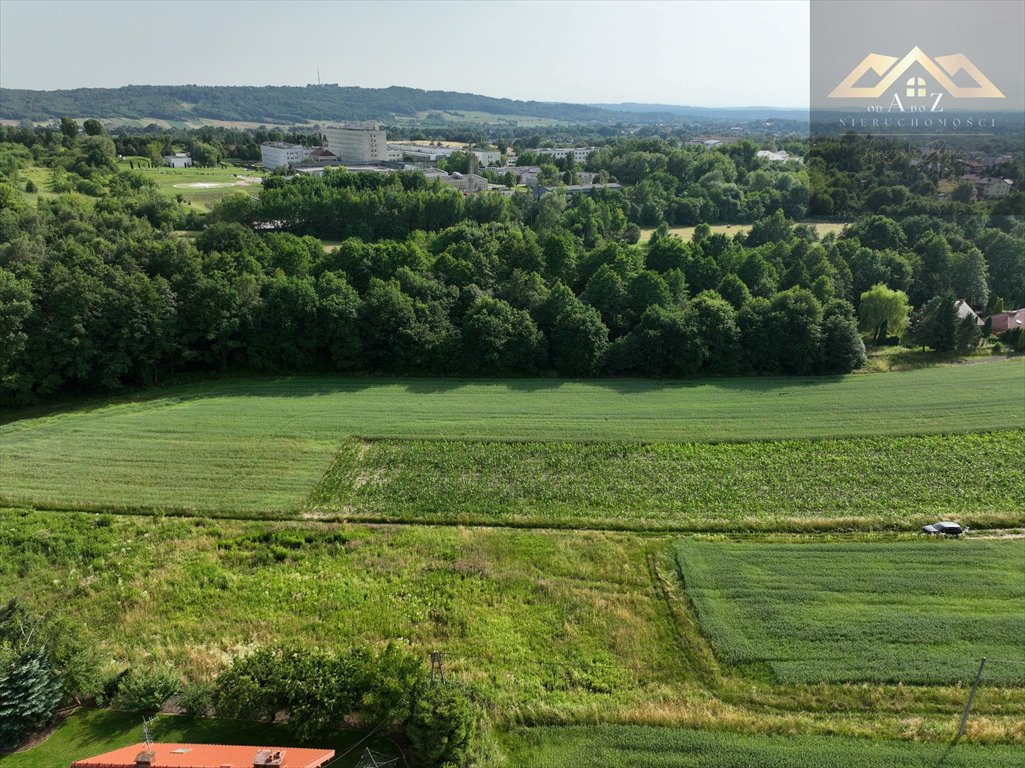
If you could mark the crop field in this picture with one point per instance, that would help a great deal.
(786, 485)
(260, 446)
(921, 613)
(90, 732)
(637, 747)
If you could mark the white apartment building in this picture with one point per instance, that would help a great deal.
(357, 143)
(580, 154)
(279, 154)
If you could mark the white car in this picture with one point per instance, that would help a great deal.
(944, 527)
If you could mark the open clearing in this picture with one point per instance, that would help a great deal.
(201, 187)
(823, 228)
(905, 612)
(785, 485)
(91, 732)
(261, 445)
(619, 746)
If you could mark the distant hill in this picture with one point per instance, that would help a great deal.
(274, 104)
(312, 103)
(705, 113)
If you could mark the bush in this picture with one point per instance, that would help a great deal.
(444, 727)
(145, 690)
(30, 186)
(197, 699)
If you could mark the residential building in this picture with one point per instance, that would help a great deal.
(357, 143)
(963, 311)
(279, 154)
(145, 755)
(990, 187)
(572, 190)
(580, 154)
(777, 157)
(178, 160)
(1007, 321)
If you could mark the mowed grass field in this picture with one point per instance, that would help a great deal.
(770, 486)
(261, 446)
(621, 746)
(201, 187)
(90, 732)
(823, 228)
(904, 612)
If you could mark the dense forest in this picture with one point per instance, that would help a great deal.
(112, 284)
(275, 104)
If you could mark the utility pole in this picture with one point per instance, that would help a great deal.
(971, 700)
(436, 666)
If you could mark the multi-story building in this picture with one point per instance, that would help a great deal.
(429, 154)
(279, 154)
(580, 154)
(357, 143)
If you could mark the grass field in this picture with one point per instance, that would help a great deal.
(921, 613)
(90, 732)
(261, 445)
(200, 187)
(686, 233)
(552, 626)
(619, 746)
(787, 485)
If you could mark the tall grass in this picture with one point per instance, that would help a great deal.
(786, 485)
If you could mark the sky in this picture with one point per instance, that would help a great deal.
(715, 54)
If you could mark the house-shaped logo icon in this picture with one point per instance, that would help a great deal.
(890, 69)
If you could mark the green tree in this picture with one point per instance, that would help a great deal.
(732, 289)
(843, 349)
(93, 127)
(443, 727)
(30, 690)
(935, 324)
(69, 129)
(881, 306)
(964, 192)
(578, 340)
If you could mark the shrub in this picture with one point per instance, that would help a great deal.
(145, 690)
(444, 726)
(30, 186)
(197, 699)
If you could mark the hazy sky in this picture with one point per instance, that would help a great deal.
(720, 53)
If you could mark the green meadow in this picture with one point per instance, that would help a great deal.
(260, 446)
(615, 746)
(908, 612)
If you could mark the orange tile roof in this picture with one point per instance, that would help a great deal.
(204, 756)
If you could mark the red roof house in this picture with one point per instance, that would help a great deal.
(206, 756)
(1006, 321)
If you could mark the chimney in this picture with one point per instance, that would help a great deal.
(145, 758)
(266, 758)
